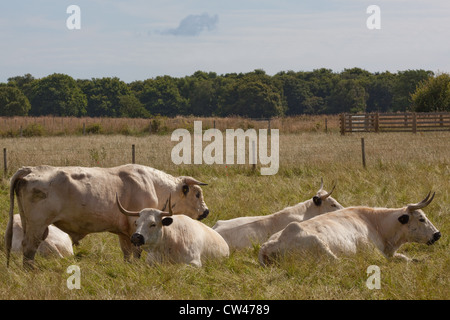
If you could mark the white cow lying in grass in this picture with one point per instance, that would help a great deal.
(244, 231)
(174, 238)
(57, 243)
(342, 232)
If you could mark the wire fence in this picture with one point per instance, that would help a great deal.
(295, 151)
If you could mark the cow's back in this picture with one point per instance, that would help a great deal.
(82, 199)
(187, 236)
(244, 231)
(341, 231)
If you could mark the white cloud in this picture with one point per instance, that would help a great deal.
(193, 25)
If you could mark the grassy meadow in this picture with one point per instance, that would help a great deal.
(401, 169)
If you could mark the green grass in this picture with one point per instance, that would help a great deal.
(401, 169)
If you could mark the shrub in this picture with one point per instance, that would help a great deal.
(94, 128)
(34, 130)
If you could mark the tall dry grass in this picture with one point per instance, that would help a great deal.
(60, 126)
(401, 169)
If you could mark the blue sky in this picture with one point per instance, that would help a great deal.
(138, 39)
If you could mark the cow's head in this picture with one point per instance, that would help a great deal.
(148, 225)
(189, 200)
(323, 202)
(416, 225)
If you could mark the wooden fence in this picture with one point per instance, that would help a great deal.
(395, 122)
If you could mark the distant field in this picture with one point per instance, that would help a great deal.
(401, 169)
(60, 126)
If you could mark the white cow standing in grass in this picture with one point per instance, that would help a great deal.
(174, 239)
(57, 243)
(242, 232)
(343, 232)
(81, 200)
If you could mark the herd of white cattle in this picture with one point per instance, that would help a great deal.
(153, 211)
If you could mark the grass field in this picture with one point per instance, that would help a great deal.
(401, 169)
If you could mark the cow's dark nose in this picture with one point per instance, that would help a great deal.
(137, 239)
(436, 236)
(204, 214)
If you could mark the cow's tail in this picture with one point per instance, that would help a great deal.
(22, 172)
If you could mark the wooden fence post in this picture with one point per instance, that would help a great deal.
(133, 154)
(414, 122)
(5, 163)
(254, 155)
(377, 122)
(342, 116)
(363, 151)
(350, 123)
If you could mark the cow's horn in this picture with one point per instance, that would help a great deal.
(423, 203)
(170, 213)
(124, 211)
(329, 193)
(321, 185)
(191, 181)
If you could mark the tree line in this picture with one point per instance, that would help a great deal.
(253, 94)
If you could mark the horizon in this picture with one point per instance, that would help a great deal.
(226, 74)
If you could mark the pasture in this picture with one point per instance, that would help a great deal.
(401, 169)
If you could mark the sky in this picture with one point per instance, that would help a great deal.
(142, 39)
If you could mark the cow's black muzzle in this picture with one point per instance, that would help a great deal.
(137, 239)
(436, 237)
(203, 215)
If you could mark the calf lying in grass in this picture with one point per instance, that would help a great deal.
(174, 238)
(57, 243)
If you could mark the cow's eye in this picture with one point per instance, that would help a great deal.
(334, 206)
(422, 220)
(198, 195)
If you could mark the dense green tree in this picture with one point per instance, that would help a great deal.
(13, 102)
(252, 95)
(131, 107)
(103, 96)
(380, 92)
(297, 94)
(432, 94)
(58, 95)
(202, 98)
(161, 96)
(348, 95)
(24, 83)
(404, 85)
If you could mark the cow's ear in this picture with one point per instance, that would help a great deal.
(317, 200)
(167, 221)
(185, 189)
(404, 219)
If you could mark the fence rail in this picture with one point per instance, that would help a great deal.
(395, 122)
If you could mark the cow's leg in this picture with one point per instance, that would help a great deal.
(126, 246)
(316, 246)
(267, 252)
(137, 252)
(32, 238)
(195, 261)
